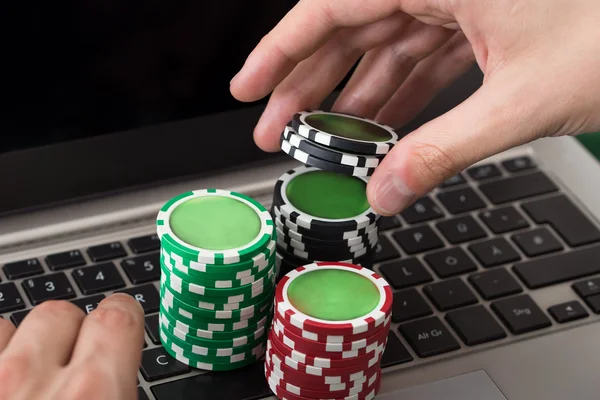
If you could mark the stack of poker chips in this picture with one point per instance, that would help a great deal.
(323, 216)
(329, 333)
(218, 276)
(336, 142)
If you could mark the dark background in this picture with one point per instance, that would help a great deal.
(102, 96)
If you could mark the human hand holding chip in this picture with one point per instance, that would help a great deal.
(539, 61)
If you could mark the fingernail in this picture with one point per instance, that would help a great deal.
(392, 195)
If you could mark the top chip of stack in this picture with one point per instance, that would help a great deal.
(218, 276)
(337, 142)
(323, 216)
(329, 333)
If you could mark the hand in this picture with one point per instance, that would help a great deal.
(540, 59)
(59, 353)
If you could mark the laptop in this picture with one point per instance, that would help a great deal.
(111, 108)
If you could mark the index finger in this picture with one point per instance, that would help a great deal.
(307, 26)
(112, 336)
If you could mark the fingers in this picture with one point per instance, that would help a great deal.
(316, 77)
(383, 70)
(307, 27)
(47, 334)
(496, 117)
(111, 338)
(7, 330)
(428, 78)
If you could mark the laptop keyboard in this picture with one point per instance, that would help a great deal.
(465, 262)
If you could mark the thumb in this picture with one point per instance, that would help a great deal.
(505, 112)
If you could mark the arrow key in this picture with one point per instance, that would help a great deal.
(567, 312)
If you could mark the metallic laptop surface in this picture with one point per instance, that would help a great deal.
(113, 108)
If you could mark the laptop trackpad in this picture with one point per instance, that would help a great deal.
(473, 386)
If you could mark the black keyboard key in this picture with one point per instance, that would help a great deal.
(587, 288)
(409, 304)
(475, 325)
(10, 299)
(105, 252)
(48, 287)
(18, 317)
(385, 250)
(461, 200)
(568, 312)
(518, 164)
(518, 187)
(142, 394)
(462, 229)
(559, 268)
(158, 364)
(450, 294)
(405, 273)
(494, 252)
(521, 314)
(456, 180)
(594, 303)
(88, 304)
(568, 220)
(450, 262)
(23, 269)
(151, 323)
(537, 242)
(422, 210)
(505, 219)
(142, 269)
(429, 337)
(146, 295)
(68, 259)
(418, 240)
(144, 244)
(98, 278)
(485, 171)
(395, 353)
(495, 283)
(247, 383)
(387, 223)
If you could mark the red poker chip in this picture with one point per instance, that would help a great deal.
(365, 323)
(314, 392)
(337, 373)
(302, 347)
(368, 394)
(318, 383)
(326, 337)
(329, 349)
(322, 362)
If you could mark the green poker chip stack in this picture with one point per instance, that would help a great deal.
(218, 274)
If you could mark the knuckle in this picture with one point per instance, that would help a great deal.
(56, 307)
(114, 317)
(431, 163)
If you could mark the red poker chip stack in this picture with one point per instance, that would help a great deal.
(308, 358)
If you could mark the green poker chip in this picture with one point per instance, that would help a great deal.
(240, 341)
(214, 226)
(222, 325)
(200, 314)
(215, 335)
(238, 270)
(191, 289)
(243, 295)
(211, 363)
(199, 347)
(221, 280)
